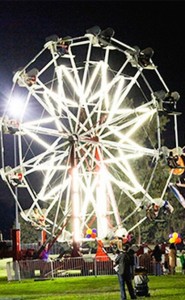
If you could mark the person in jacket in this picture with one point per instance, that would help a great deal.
(125, 271)
(172, 258)
(157, 258)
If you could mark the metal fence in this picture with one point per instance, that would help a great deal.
(69, 266)
(65, 268)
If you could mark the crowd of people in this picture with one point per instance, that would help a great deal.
(161, 260)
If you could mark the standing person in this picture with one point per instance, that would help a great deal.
(182, 260)
(45, 253)
(157, 256)
(172, 258)
(166, 262)
(125, 272)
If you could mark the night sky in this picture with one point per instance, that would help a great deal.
(24, 25)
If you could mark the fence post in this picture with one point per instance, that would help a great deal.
(95, 267)
(52, 271)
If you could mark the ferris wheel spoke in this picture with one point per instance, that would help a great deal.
(130, 148)
(124, 166)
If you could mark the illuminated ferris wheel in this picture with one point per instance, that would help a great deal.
(87, 105)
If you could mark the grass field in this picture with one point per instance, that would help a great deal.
(89, 288)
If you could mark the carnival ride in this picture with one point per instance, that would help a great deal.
(90, 114)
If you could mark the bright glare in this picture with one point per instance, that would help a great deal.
(16, 107)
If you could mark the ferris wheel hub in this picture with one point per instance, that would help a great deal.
(73, 138)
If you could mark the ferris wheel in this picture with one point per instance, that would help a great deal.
(85, 124)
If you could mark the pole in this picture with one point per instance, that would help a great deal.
(16, 244)
(75, 203)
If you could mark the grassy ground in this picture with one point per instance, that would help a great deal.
(87, 288)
